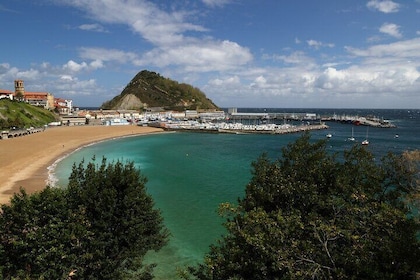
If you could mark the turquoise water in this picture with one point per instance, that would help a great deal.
(190, 174)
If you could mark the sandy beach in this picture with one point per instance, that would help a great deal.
(24, 161)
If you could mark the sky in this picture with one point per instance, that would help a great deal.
(240, 53)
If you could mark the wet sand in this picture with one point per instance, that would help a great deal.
(24, 161)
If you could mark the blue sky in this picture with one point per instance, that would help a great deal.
(241, 53)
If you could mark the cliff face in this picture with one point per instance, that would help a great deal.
(149, 89)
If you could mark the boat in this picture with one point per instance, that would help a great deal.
(329, 135)
(366, 141)
(352, 137)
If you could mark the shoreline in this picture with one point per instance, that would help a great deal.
(28, 161)
(52, 179)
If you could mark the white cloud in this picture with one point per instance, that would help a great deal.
(92, 27)
(96, 64)
(100, 54)
(74, 66)
(200, 56)
(143, 17)
(296, 58)
(383, 74)
(66, 78)
(167, 32)
(386, 6)
(408, 49)
(260, 82)
(216, 3)
(391, 29)
(229, 82)
(316, 44)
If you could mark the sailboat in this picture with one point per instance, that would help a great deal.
(352, 137)
(366, 141)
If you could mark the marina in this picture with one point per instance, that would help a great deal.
(239, 128)
(260, 122)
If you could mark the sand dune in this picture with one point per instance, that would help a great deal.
(24, 160)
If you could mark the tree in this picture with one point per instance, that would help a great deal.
(121, 215)
(39, 236)
(312, 215)
(99, 227)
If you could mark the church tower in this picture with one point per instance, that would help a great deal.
(19, 88)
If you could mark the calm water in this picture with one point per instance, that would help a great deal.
(190, 174)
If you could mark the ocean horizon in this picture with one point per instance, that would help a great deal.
(190, 174)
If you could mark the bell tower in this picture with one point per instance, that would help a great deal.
(19, 88)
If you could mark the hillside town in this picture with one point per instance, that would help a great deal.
(45, 100)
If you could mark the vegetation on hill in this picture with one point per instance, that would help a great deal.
(149, 89)
(99, 227)
(22, 115)
(308, 215)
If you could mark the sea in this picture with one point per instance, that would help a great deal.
(190, 174)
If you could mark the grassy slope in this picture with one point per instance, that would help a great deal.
(22, 115)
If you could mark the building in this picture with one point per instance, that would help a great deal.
(63, 106)
(4, 93)
(40, 99)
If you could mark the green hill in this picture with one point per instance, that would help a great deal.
(22, 115)
(149, 89)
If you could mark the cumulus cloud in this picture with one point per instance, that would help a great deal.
(386, 6)
(200, 56)
(74, 67)
(382, 72)
(166, 31)
(391, 29)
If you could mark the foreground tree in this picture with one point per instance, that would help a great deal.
(37, 235)
(308, 215)
(120, 213)
(100, 227)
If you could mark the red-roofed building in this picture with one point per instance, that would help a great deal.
(41, 99)
(4, 93)
(64, 106)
